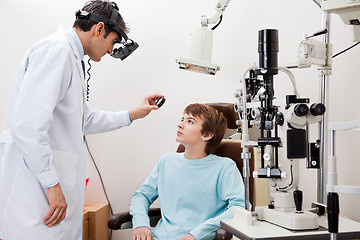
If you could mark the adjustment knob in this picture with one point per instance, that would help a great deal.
(298, 198)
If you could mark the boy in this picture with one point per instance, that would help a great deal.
(196, 188)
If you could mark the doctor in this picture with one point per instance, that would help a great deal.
(42, 159)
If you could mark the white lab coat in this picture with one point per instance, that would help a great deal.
(42, 141)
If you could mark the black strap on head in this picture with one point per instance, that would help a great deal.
(110, 22)
(114, 5)
(115, 12)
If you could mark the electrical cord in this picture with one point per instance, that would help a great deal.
(354, 45)
(101, 180)
(291, 180)
(213, 28)
(317, 3)
(87, 81)
(292, 79)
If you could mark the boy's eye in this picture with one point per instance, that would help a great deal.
(190, 121)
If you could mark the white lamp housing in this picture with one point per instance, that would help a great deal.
(349, 11)
(199, 57)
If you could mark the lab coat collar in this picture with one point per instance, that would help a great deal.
(79, 54)
(71, 32)
(74, 41)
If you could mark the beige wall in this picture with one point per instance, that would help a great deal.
(163, 30)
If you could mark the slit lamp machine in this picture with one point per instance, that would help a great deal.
(285, 123)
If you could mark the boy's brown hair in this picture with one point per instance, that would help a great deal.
(214, 122)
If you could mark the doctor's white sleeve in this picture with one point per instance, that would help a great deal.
(46, 76)
(97, 121)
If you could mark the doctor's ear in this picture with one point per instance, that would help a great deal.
(100, 28)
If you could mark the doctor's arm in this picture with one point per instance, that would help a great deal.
(231, 189)
(97, 121)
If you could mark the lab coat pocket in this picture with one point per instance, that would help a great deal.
(65, 164)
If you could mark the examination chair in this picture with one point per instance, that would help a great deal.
(227, 148)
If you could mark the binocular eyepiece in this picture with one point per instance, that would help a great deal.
(317, 109)
(302, 109)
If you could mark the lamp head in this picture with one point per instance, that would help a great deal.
(199, 57)
(349, 11)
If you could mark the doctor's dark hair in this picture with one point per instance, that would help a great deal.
(214, 122)
(101, 8)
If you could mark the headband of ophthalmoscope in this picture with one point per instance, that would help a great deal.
(127, 47)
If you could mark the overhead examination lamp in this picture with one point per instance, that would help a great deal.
(348, 10)
(199, 57)
(127, 46)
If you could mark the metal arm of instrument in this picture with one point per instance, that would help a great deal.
(220, 8)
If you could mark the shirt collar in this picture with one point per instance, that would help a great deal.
(77, 41)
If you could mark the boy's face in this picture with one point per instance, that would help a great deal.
(189, 130)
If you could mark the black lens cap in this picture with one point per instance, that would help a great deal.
(160, 101)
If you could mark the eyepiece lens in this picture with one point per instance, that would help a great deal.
(317, 109)
(301, 109)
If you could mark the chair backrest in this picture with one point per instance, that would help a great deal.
(228, 110)
(232, 149)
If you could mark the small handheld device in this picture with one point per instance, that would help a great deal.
(160, 101)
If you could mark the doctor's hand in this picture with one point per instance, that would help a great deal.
(142, 233)
(145, 107)
(58, 206)
(188, 237)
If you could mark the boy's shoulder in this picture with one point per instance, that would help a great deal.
(171, 156)
(211, 160)
(211, 157)
(167, 155)
(223, 160)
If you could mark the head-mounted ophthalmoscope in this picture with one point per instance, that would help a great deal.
(127, 46)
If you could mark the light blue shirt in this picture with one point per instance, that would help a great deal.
(194, 194)
(77, 41)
